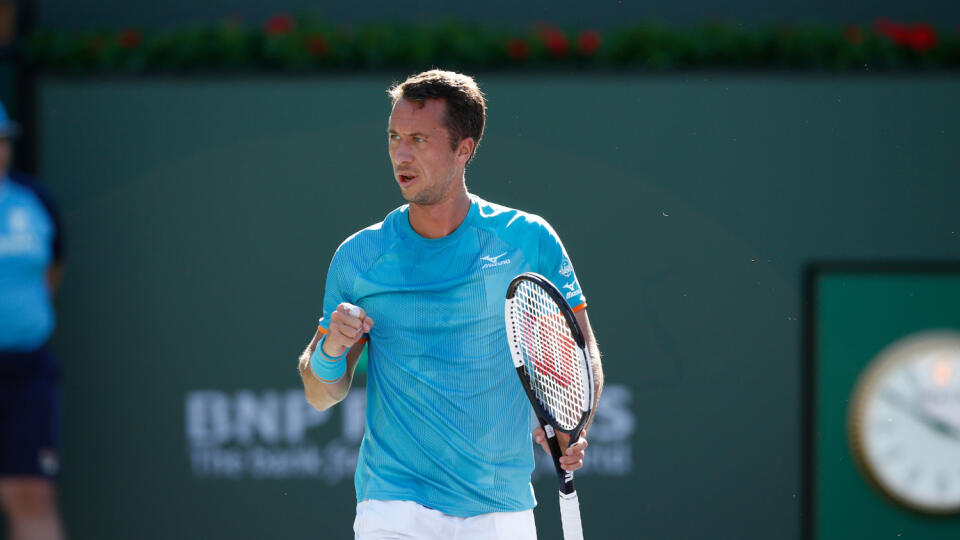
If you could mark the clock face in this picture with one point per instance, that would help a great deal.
(905, 422)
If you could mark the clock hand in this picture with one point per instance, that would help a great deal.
(923, 417)
(951, 423)
(946, 418)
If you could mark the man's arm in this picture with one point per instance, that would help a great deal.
(594, 362)
(54, 276)
(343, 334)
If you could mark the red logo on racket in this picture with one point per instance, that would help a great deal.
(553, 353)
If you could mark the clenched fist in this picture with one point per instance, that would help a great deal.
(347, 325)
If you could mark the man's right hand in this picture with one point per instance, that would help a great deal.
(347, 325)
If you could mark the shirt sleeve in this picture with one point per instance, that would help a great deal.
(339, 288)
(335, 291)
(555, 265)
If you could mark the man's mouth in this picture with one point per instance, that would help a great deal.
(406, 179)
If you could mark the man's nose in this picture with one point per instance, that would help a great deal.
(402, 153)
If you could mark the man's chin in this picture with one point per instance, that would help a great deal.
(419, 199)
(408, 196)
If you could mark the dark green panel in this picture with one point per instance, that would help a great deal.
(858, 314)
(202, 216)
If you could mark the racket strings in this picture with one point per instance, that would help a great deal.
(551, 357)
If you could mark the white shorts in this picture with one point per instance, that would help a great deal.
(395, 520)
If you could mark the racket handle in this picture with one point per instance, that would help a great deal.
(570, 516)
(354, 311)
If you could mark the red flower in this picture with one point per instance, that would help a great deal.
(518, 49)
(894, 31)
(853, 35)
(317, 45)
(555, 40)
(129, 38)
(278, 25)
(922, 37)
(589, 41)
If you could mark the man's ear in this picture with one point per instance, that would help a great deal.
(465, 150)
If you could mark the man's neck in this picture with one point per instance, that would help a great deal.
(440, 219)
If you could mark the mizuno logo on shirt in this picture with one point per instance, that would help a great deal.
(570, 285)
(494, 260)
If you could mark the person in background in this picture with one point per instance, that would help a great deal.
(31, 265)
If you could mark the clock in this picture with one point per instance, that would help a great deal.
(904, 422)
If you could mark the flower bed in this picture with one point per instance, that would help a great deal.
(301, 44)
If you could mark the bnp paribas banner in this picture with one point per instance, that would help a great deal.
(273, 433)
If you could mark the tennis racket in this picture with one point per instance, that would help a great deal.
(553, 363)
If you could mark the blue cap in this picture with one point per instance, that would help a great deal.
(8, 128)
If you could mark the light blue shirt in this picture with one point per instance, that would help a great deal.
(447, 423)
(26, 232)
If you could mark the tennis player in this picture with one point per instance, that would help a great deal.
(446, 452)
(31, 263)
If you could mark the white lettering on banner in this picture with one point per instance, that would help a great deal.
(250, 435)
(217, 462)
(215, 418)
(614, 421)
(266, 434)
(282, 463)
(256, 415)
(208, 421)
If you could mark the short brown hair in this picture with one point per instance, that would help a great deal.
(466, 108)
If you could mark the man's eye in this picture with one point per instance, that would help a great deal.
(394, 137)
(419, 139)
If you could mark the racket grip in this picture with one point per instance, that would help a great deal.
(354, 311)
(570, 516)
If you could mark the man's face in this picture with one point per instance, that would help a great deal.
(424, 166)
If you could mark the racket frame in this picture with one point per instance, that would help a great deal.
(546, 419)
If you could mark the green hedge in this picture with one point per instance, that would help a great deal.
(285, 43)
